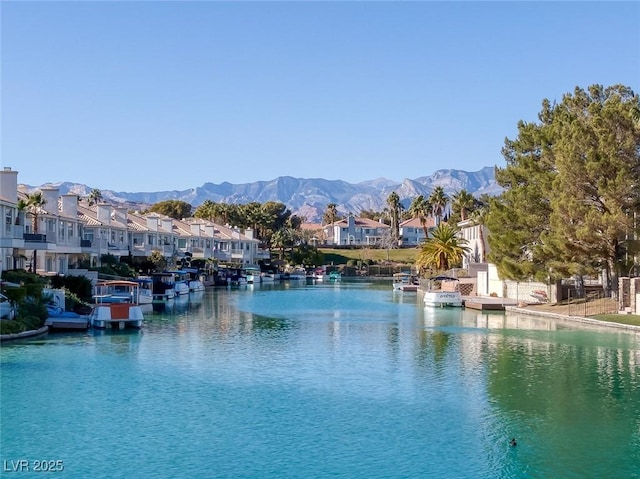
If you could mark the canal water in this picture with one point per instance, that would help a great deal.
(345, 380)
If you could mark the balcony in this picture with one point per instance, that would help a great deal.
(34, 238)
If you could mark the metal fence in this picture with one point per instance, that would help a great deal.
(592, 303)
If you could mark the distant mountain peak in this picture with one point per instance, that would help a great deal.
(307, 197)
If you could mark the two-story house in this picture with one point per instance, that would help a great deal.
(412, 231)
(356, 232)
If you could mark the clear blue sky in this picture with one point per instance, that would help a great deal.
(151, 96)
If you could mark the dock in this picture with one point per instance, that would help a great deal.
(484, 303)
(67, 322)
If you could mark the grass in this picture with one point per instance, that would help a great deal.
(341, 256)
(632, 319)
(593, 309)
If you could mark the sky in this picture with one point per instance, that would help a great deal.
(152, 96)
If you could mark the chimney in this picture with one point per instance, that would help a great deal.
(209, 231)
(152, 223)
(120, 215)
(248, 233)
(9, 185)
(69, 205)
(167, 224)
(51, 196)
(104, 213)
(195, 228)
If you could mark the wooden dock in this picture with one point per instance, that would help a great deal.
(483, 303)
(67, 323)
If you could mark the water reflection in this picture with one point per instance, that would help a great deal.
(269, 376)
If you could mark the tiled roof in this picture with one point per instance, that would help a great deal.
(415, 222)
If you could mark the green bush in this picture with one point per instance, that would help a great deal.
(16, 295)
(11, 327)
(22, 277)
(32, 322)
(30, 308)
(79, 286)
(73, 302)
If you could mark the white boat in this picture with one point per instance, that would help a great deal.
(268, 277)
(443, 291)
(116, 305)
(252, 274)
(405, 282)
(181, 283)
(193, 280)
(145, 290)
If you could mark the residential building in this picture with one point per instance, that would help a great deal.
(476, 236)
(412, 231)
(352, 231)
(12, 232)
(72, 234)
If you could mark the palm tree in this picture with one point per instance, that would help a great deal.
(439, 201)
(330, 215)
(444, 249)
(395, 207)
(95, 197)
(421, 208)
(463, 202)
(33, 205)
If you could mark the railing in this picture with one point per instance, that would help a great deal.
(34, 237)
(593, 303)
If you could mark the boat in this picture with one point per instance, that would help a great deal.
(252, 274)
(194, 281)
(297, 274)
(335, 276)
(404, 281)
(163, 287)
(267, 277)
(116, 305)
(145, 290)
(443, 291)
(181, 282)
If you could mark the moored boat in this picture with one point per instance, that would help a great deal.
(181, 282)
(405, 282)
(116, 305)
(443, 291)
(145, 290)
(163, 287)
(335, 276)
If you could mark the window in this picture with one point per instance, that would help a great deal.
(8, 221)
(61, 229)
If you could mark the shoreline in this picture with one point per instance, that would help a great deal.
(34, 333)
(576, 319)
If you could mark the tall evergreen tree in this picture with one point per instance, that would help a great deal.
(572, 187)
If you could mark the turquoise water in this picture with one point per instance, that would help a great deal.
(341, 381)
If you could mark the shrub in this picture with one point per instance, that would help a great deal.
(32, 322)
(11, 327)
(33, 308)
(79, 286)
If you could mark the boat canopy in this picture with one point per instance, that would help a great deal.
(443, 278)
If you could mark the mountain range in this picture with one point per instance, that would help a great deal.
(307, 197)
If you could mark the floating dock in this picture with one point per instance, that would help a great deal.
(68, 322)
(487, 303)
